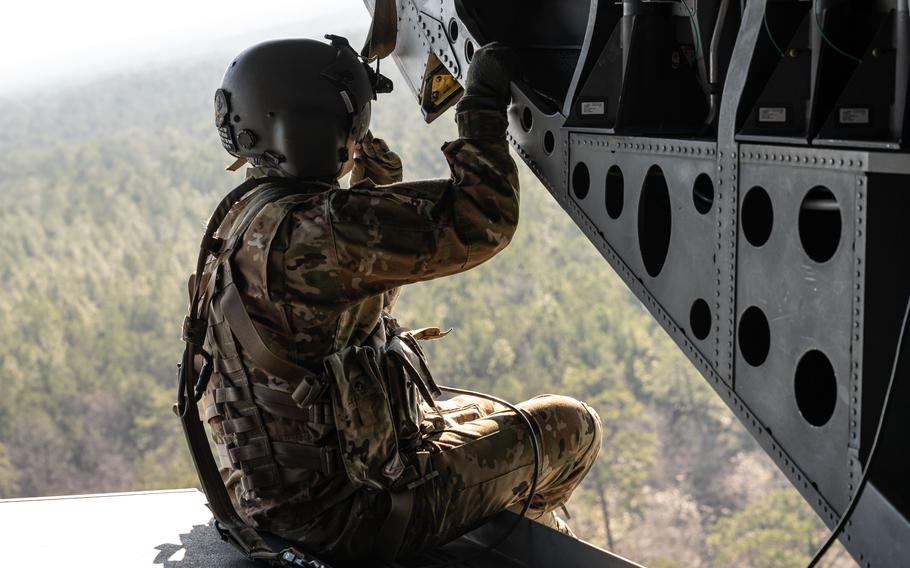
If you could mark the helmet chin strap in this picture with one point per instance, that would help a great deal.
(236, 164)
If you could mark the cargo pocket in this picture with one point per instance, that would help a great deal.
(363, 417)
(436, 422)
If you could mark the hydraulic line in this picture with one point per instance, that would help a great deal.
(864, 480)
(821, 32)
(770, 35)
(694, 23)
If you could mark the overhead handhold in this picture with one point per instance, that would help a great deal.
(383, 34)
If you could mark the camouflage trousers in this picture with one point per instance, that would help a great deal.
(483, 454)
(485, 461)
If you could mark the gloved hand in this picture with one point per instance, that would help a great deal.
(488, 84)
(373, 159)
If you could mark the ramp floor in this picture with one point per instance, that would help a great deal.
(174, 529)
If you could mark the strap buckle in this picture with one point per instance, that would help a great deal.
(320, 413)
(194, 330)
(202, 382)
(212, 244)
(330, 460)
(296, 559)
(225, 534)
(310, 389)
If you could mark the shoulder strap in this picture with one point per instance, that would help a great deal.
(233, 307)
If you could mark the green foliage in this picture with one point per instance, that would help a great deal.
(7, 473)
(774, 532)
(666, 563)
(106, 189)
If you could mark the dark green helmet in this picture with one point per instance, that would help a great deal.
(291, 104)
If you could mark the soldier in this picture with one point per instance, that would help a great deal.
(321, 406)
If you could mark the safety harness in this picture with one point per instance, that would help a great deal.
(224, 320)
(192, 384)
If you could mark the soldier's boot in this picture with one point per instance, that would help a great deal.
(551, 520)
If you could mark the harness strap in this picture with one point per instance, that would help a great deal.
(249, 452)
(239, 425)
(391, 535)
(229, 394)
(299, 456)
(244, 330)
(275, 402)
(261, 479)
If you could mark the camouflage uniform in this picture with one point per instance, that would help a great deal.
(319, 271)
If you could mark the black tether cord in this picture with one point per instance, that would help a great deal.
(535, 446)
(848, 512)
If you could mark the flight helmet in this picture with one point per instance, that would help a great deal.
(291, 104)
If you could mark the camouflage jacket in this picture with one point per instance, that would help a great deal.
(317, 268)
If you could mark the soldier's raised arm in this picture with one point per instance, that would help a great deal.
(389, 235)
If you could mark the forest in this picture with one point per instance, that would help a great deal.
(105, 189)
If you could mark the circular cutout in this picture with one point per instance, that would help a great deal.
(453, 30)
(754, 336)
(819, 224)
(700, 319)
(549, 142)
(527, 119)
(581, 180)
(654, 221)
(614, 192)
(703, 193)
(757, 216)
(815, 387)
(469, 50)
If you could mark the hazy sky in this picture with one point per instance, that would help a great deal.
(46, 41)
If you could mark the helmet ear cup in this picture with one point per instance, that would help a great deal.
(315, 140)
(361, 123)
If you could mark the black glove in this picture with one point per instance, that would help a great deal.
(488, 84)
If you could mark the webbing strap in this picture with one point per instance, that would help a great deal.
(293, 455)
(229, 394)
(395, 526)
(249, 451)
(241, 535)
(298, 456)
(240, 425)
(274, 401)
(244, 330)
(261, 479)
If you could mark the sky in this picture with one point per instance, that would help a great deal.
(55, 42)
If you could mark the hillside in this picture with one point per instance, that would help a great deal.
(105, 189)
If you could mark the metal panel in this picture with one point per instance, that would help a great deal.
(686, 274)
(843, 307)
(780, 280)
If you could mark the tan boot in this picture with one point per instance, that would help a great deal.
(555, 522)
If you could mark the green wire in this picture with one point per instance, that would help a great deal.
(821, 32)
(694, 25)
(770, 35)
